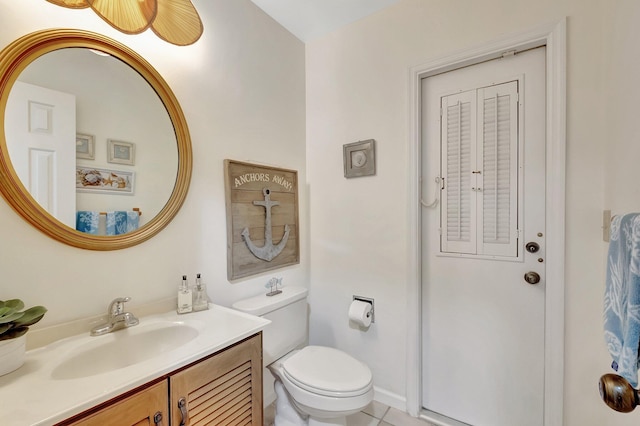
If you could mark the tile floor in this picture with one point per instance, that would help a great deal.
(375, 414)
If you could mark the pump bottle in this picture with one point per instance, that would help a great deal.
(200, 299)
(185, 302)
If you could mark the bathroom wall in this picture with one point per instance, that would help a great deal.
(622, 193)
(241, 87)
(357, 88)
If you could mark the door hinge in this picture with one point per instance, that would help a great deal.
(509, 53)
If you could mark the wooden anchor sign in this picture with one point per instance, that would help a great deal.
(262, 208)
(268, 251)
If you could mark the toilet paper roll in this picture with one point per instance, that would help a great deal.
(360, 313)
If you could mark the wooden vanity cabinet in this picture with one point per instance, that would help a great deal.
(222, 389)
(144, 408)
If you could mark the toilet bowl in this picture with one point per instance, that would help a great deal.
(314, 385)
(324, 383)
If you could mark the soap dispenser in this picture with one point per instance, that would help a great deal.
(185, 302)
(200, 299)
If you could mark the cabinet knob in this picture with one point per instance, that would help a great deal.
(157, 418)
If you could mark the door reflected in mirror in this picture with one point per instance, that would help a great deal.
(74, 100)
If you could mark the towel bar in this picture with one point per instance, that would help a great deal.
(606, 225)
(135, 209)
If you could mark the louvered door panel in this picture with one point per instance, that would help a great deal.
(221, 400)
(458, 127)
(497, 203)
(224, 390)
(480, 168)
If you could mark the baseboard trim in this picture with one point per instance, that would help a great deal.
(439, 419)
(391, 399)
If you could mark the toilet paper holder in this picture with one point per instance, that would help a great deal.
(370, 301)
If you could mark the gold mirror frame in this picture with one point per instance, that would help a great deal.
(13, 60)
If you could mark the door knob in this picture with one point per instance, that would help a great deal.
(618, 393)
(532, 247)
(532, 277)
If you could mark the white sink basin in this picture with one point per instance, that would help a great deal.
(123, 348)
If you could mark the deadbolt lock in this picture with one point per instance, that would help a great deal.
(532, 247)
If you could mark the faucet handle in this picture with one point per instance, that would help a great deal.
(117, 305)
(117, 318)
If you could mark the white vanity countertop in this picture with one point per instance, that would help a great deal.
(32, 395)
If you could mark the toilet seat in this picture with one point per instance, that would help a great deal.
(328, 372)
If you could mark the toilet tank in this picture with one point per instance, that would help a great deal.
(288, 314)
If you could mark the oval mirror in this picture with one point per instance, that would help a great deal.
(89, 126)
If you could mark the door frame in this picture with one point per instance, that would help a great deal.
(553, 36)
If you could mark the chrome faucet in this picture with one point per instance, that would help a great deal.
(117, 318)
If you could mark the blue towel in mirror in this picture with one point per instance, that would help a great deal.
(121, 222)
(87, 221)
(622, 296)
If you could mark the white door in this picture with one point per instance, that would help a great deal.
(483, 147)
(40, 126)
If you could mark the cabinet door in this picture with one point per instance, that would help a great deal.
(140, 409)
(225, 389)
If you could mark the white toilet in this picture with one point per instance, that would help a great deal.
(314, 385)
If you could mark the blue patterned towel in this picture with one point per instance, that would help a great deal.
(87, 221)
(121, 222)
(622, 296)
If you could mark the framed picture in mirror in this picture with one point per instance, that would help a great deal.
(85, 146)
(120, 152)
(104, 181)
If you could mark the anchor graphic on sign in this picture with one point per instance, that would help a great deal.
(269, 251)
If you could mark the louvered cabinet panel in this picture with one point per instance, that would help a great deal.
(139, 409)
(223, 390)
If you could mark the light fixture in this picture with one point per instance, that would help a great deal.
(174, 21)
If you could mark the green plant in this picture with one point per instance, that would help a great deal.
(14, 322)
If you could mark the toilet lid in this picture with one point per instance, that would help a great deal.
(327, 371)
